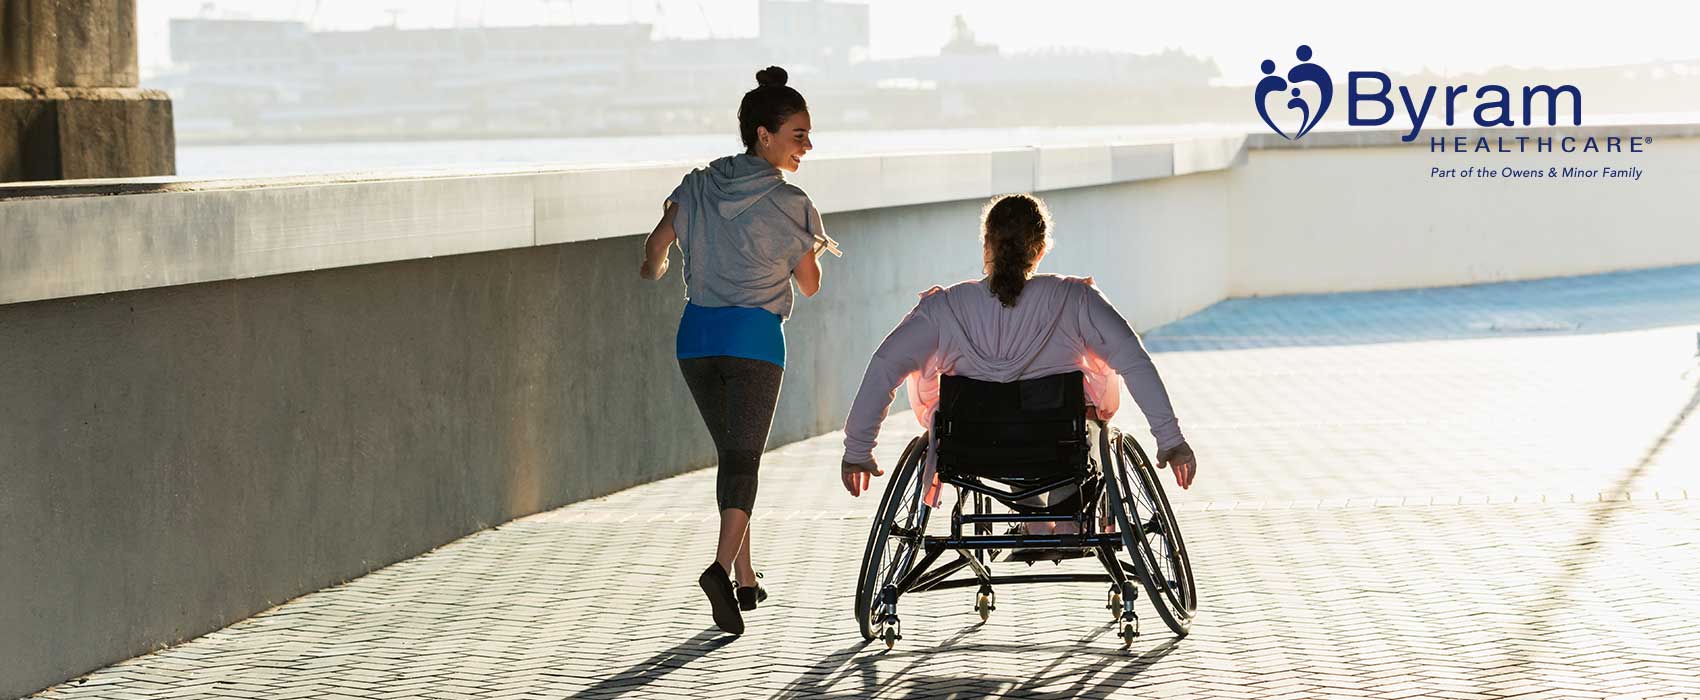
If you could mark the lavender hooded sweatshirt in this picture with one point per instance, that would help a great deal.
(1056, 326)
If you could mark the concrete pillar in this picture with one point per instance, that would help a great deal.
(70, 107)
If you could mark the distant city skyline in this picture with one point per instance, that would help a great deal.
(1450, 36)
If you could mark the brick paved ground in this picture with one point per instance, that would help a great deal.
(1464, 493)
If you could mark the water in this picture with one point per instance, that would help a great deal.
(212, 162)
(270, 160)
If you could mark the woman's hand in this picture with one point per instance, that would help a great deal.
(1181, 459)
(648, 270)
(858, 477)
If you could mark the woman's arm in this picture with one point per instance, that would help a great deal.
(655, 246)
(808, 273)
(1108, 334)
(904, 350)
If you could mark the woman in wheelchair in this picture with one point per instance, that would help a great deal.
(1012, 325)
(982, 346)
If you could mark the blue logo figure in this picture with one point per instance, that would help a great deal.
(1305, 72)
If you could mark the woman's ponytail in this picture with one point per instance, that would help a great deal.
(1016, 231)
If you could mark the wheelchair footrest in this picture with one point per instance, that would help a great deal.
(1015, 541)
(1038, 554)
(1010, 580)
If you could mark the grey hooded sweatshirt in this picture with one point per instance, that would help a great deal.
(743, 229)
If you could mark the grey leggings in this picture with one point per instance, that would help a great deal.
(736, 397)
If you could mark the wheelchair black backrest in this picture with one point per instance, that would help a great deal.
(1029, 427)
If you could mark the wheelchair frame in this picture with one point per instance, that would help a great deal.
(1126, 479)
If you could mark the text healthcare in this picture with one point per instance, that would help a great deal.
(1538, 144)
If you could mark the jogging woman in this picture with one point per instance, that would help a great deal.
(744, 234)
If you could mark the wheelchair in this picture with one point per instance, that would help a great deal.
(1001, 445)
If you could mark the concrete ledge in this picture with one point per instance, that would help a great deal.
(1204, 155)
(66, 239)
(82, 245)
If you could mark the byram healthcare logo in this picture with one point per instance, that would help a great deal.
(1304, 72)
(1370, 100)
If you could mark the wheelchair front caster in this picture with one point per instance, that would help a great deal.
(1130, 631)
(1129, 628)
(891, 630)
(1115, 604)
(985, 602)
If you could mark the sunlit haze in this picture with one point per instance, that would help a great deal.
(1448, 36)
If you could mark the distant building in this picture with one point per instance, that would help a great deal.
(249, 79)
(814, 32)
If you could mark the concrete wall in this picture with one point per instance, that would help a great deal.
(177, 458)
(1361, 217)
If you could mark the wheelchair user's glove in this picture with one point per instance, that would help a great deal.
(1181, 459)
(859, 477)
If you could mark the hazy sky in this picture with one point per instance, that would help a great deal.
(1448, 35)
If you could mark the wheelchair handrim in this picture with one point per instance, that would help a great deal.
(1173, 603)
(1172, 558)
(877, 571)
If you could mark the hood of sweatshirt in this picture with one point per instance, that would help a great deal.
(733, 184)
(1001, 343)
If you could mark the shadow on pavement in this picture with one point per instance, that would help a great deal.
(1586, 549)
(655, 667)
(852, 672)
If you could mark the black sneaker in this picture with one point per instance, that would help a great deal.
(718, 586)
(750, 596)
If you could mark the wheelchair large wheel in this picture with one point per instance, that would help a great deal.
(893, 542)
(1151, 534)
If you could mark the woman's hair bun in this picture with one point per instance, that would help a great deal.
(771, 75)
(765, 106)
